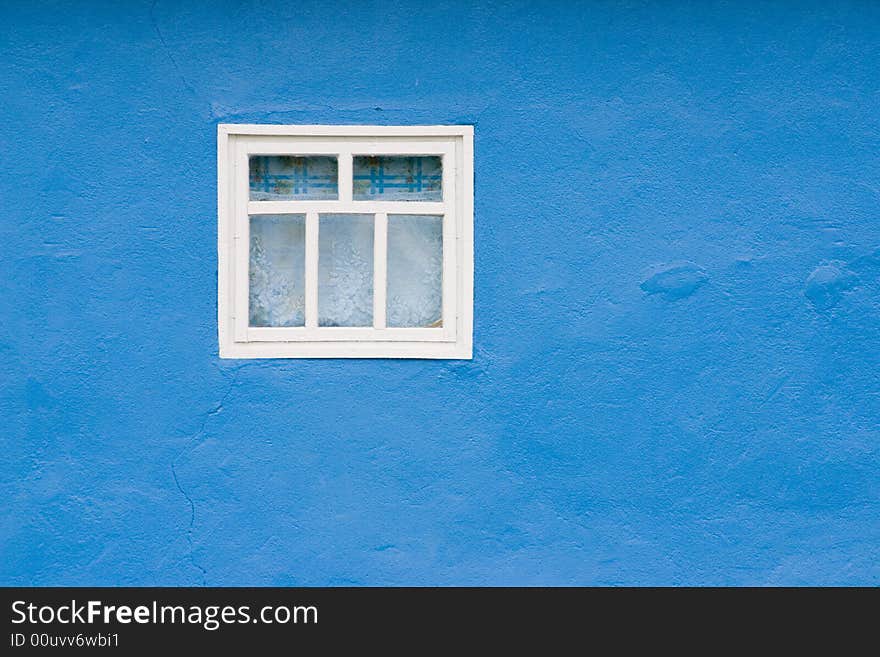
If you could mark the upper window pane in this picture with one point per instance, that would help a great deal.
(396, 178)
(290, 178)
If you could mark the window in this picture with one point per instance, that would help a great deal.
(345, 241)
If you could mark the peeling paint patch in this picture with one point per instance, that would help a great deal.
(675, 281)
(867, 267)
(827, 283)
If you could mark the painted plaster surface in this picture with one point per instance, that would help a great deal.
(677, 338)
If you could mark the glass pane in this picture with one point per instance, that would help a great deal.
(286, 178)
(395, 178)
(345, 270)
(415, 270)
(277, 270)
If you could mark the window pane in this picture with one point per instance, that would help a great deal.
(345, 270)
(277, 270)
(397, 178)
(285, 178)
(415, 270)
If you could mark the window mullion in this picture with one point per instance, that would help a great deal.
(311, 270)
(345, 176)
(380, 268)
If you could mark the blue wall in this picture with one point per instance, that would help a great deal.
(677, 336)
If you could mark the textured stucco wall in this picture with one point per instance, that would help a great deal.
(677, 337)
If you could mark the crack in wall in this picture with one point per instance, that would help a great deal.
(189, 531)
(192, 444)
(167, 50)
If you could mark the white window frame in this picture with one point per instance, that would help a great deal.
(236, 143)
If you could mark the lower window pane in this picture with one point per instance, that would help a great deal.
(415, 270)
(345, 270)
(277, 270)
